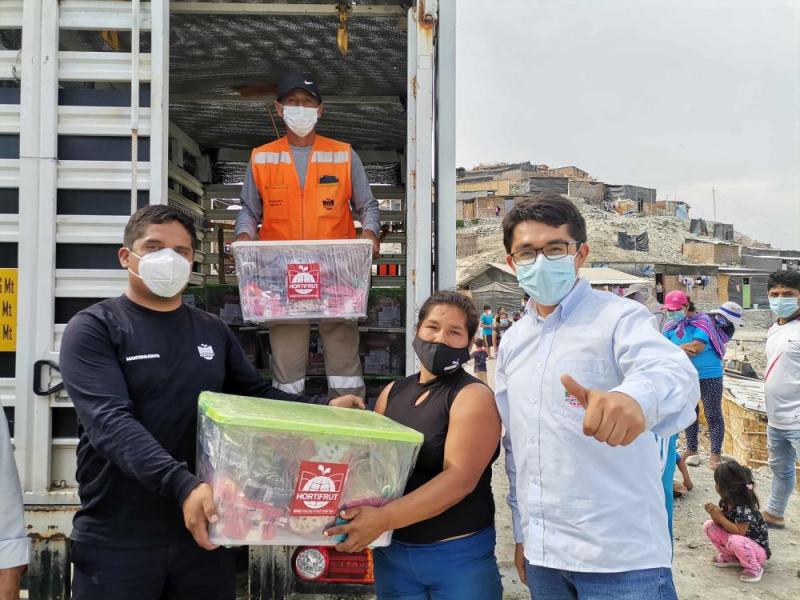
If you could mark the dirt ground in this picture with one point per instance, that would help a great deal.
(695, 576)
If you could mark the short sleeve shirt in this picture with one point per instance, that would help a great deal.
(487, 321)
(708, 363)
(758, 528)
(480, 356)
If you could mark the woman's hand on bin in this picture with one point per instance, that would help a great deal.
(198, 512)
(348, 401)
(366, 524)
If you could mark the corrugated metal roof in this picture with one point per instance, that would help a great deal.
(609, 276)
(748, 393)
(212, 56)
(594, 275)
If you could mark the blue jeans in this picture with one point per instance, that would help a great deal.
(784, 449)
(647, 584)
(462, 569)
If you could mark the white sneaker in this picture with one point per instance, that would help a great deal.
(749, 577)
(693, 460)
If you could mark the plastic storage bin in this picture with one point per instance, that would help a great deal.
(281, 471)
(303, 280)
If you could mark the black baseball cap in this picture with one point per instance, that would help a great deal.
(294, 80)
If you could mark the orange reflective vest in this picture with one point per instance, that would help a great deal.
(319, 211)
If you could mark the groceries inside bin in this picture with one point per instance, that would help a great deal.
(282, 471)
(303, 280)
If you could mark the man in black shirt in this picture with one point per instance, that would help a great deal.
(134, 366)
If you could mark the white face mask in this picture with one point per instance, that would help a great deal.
(300, 119)
(165, 273)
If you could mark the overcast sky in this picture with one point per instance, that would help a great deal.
(680, 95)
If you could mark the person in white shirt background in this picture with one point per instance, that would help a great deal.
(579, 378)
(15, 547)
(782, 391)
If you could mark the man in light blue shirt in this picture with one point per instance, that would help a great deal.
(580, 378)
(15, 547)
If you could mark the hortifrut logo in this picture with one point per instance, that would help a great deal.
(304, 282)
(318, 489)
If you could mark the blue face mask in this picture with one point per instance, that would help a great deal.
(783, 307)
(675, 315)
(547, 281)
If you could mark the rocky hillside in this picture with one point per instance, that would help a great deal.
(666, 235)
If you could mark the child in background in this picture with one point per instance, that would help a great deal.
(737, 528)
(501, 324)
(480, 356)
(487, 327)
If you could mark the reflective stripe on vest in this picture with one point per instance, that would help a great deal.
(272, 158)
(330, 157)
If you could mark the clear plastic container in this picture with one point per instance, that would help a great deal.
(282, 471)
(312, 280)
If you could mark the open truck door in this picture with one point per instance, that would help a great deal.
(109, 105)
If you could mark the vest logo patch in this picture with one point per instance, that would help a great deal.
(328, 204)
(304, 282)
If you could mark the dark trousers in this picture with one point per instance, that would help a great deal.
(177, 571)
(711, 396)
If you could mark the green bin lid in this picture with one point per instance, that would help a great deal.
(278, 415)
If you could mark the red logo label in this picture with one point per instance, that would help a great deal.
(572, 400)
(318, 489)
(303, 282)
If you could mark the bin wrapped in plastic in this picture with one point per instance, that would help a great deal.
(282, 471)
(303, 280)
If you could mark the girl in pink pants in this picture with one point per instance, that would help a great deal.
(736, 527)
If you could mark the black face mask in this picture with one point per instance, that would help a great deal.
(440, 359)
(726, 326)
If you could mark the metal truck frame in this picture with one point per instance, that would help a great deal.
(48, 246)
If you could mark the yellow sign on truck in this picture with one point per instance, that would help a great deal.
(8, 310)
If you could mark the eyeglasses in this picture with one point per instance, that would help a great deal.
(552, 251)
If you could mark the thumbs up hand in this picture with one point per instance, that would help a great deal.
(613, 418)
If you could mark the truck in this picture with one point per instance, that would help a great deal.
(110, 105)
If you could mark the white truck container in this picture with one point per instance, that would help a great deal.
(108, 105)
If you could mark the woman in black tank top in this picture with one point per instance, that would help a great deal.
(443, 542)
